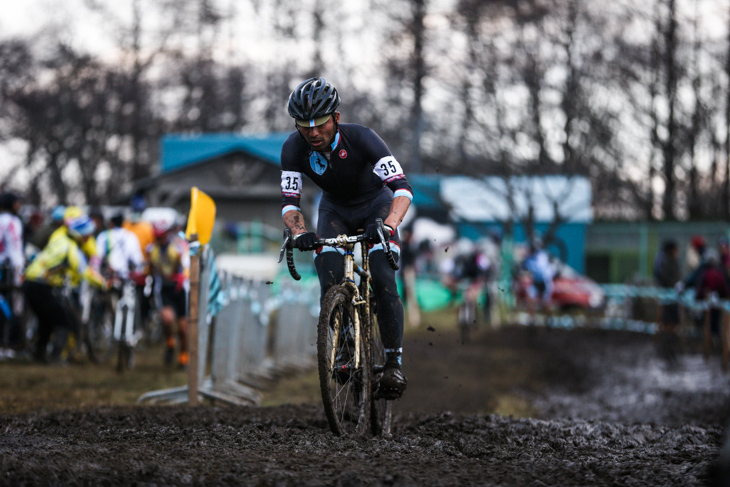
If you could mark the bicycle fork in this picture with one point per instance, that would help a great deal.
(350, 269)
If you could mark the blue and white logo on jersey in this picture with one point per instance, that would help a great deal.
(318, 163)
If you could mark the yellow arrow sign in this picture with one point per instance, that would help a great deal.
(201, 218)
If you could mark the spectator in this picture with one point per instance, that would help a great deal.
(666, 265)
(695, 253)
(724, 248)
(667, 274)
(695, 263)
(712, 285)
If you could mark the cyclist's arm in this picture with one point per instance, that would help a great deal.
(398, 210)
(291, 193)
(294, 220)
(389, 170)
(101, 245)
(80, 269)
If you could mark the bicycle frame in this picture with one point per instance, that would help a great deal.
(361, 292)
(124, 314)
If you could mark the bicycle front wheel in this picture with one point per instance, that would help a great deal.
(100, 331)
(343, 368)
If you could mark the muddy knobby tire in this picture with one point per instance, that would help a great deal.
(381, 410)
(98, 335)
(346, 391)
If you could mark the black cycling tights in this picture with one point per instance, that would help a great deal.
(389, 310)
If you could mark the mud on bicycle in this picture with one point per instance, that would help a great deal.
(350, 352)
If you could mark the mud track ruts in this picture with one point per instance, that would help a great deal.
(609, 413)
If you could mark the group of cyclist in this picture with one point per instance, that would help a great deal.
(361, 182)
(45, 266)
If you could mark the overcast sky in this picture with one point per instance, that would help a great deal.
(26, 17)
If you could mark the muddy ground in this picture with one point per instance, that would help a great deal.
(589, 407)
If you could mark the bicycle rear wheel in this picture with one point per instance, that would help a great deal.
(127, 309)
(125, 355)
(381, 411)
(344, 381)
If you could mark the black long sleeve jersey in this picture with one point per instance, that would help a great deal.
(354, 173)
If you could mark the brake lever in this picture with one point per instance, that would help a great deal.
(386, 245)
(285, 245)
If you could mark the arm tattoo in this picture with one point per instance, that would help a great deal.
(295, 221)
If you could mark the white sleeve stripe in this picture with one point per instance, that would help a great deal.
(289, 208)
(394, 247)
(403, 192)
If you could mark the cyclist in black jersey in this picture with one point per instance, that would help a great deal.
(361, 181)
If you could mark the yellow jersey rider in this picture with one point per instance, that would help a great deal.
(60, 261)
(70, 214)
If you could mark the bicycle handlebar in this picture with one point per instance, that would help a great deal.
(287, 247)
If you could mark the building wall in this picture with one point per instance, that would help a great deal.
(619, 252)
(244, 189)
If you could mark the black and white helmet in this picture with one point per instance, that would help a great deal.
(313, 100)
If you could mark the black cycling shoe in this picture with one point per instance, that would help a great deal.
(392, 383)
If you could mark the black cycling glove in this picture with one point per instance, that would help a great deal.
(306, 241)
(372, 233)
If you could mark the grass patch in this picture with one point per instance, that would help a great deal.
(31, 387)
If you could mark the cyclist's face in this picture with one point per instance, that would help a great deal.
(321, 136)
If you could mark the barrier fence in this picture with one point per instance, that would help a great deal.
(640, 308)
(249, 335)
(251, 332)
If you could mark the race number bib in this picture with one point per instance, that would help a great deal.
(388, 169)
(291, 183)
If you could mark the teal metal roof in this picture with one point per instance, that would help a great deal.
(426, 190)
(180, 151)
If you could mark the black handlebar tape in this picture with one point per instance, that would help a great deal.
(288, 248)
(386, 246)
(290, 264)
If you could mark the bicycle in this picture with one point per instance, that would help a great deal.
(350, 352)
(467, 312)
(126, 317)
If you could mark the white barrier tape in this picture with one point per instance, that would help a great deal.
(664, 295)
